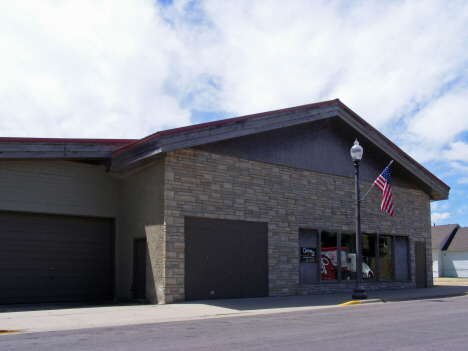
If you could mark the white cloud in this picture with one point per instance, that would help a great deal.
(458, 151)
(379, 58)
(435, 127)
(85, 69)
(439, 217)
(441, 120)
(440, 206)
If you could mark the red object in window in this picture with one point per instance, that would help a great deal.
(329, 262)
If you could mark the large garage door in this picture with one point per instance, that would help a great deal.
(46, 258)
(225, 259)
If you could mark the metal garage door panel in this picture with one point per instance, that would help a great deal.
(212, 265)
(225, 259)
(255, 263)
(47, 258)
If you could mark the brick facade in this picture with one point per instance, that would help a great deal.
(203, 184)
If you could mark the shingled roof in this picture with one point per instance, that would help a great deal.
(441, 234)
(459, 241)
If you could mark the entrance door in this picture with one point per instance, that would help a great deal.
(139, 269)
(421, 273)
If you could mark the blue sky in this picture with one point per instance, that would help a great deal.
(126, 69)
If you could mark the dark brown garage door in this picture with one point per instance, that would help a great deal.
(225, 259)
(46, 258)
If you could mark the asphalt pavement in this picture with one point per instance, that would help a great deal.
(52, 317)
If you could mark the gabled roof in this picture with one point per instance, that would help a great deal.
(157, 145)
(459, 241)
(441, 234)
(123, 155)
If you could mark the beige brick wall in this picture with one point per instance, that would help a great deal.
(208, 185)
(58, 187)
(141, 216)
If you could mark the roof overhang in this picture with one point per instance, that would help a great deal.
(123, 155)
(157, 145)
(92, 150)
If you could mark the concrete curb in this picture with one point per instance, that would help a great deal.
(402, 299)
(413, 298)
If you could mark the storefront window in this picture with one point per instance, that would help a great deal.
(385, 257)
(329, 257)
(368, 256)
(338, 256)
(348, 254)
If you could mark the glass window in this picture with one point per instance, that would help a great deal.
(385, 257)
(348, 256)
(368, 256)
(329, 258)
(379, 254)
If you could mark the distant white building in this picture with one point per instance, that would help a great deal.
(450, 251)
(455, 257)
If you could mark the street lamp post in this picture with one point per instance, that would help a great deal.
(359, 291)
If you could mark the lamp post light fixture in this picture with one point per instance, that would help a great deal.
(359, 291)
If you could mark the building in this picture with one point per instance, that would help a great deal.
(441, 235)
(450, 251)
(260, 205)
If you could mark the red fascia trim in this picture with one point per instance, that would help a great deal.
(68, 141)
(217, 123)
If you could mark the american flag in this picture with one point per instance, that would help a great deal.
(383, 182)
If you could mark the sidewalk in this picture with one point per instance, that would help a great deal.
(40, 318)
